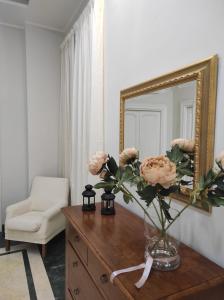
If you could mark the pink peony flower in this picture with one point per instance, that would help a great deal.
(220, 159)
(184, 144)
(97, 161)
(128, 154)
(158, 169)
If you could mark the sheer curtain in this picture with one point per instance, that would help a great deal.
(67, 71)
(82, 110)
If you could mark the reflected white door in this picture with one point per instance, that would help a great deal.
(144, 131)
(150, 133)
(131, 129)
(187, 119)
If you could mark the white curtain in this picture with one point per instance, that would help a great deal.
(82, 109)
(67, 72)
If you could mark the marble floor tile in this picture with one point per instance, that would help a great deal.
(13, 280)
(54, 264)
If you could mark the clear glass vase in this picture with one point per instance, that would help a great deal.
(162, 248)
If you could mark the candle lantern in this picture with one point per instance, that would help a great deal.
(88, 198)
(107, 203)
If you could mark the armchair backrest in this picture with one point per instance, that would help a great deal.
(49, 191)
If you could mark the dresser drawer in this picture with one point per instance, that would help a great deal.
(102, 278)
(77, 242)
(80, 283)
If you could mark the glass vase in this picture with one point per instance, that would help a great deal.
(162, 248)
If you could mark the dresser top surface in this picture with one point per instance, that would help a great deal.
(118, 241)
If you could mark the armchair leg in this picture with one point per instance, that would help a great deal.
(7, 245)
(43, 250)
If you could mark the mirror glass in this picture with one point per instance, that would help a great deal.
(179, 104)
(153, 120)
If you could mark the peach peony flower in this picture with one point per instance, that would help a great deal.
(158, 169)
(97, 161)
(220, 159)
(184, 144)
(127, 155)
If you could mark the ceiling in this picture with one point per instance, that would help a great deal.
(57, 15)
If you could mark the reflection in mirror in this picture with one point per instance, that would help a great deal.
(179, 104)
(153, 120)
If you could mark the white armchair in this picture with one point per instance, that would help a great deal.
(38, 219)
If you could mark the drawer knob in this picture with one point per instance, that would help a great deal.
(75, 264)
(104, 278)
(77, 238)
(76, 291)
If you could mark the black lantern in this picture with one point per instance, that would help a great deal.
(107, 203)
(88, 198)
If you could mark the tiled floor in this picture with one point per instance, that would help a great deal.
(54, 264)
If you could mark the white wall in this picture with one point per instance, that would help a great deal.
(148, 38)
(29, 109)
(43, 93)
(13, 117)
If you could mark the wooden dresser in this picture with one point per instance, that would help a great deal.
(98, 245)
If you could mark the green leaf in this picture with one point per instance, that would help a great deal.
(220, 182)
(185, 171)
(218, 192)
(219, 164)
(221, 186)
(140, 185)
(184, 164)
(209, 178)
(135, 180)
(167, 214)
(216, 201)
(127, 174)
(175, 154)
(148, 194)
(166, 192)
(165, 205)
(116, 190)
(127, 198)
(107, 177)
(137, 165)
(202, 183)
(112, 165)
(119, 173)
(103, 184)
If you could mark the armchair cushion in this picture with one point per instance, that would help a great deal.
(30, 221)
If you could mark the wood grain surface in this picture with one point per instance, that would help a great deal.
(118, 242)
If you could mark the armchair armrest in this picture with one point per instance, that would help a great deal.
(51, 212)
(18, 208)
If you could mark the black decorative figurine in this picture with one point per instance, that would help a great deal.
(107, 203)
(88, 198)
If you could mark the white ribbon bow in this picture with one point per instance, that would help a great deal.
(146, 266)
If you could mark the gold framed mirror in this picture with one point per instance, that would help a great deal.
(178, 104)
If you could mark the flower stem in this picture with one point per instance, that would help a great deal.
(160, 220)
(161, 212)
(145, 211)
(193, 196)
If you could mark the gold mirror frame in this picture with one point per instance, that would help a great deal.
(205, 74)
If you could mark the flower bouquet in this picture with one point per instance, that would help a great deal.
(154, 180)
